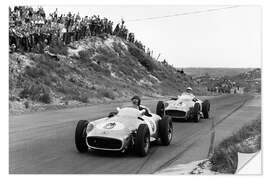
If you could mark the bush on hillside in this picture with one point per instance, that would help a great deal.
(58, 47)
(99, 69)
(66, 89)
(105, 51)
(103, 58)
(76, 97)
(34, 72)
(106, 93)
(45, 98)
(145, 61)
(83, 98)
(117, 49)
(85, 55)
(36, 92)
(45, 63)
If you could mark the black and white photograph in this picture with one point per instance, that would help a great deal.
(135, 89)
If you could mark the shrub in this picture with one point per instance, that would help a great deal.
(58, 47)
(105, 51)
(65, 89)
(83, 98)
(85, 55)
(77, 97)
(34, 72)
(47, 81)
(45, 98)
(47, 62)
(26, 104)
(106, 93)
(100, 69)
(125, 70)
(12, 97)
(147, 62)
(36, 92)
(102, 58)
(72, 93)
(117, 48)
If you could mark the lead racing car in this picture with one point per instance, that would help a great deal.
(129, 128)
(186, 106)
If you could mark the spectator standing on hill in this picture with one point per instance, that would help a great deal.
(28, 28)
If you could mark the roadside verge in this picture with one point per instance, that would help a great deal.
(245, 120)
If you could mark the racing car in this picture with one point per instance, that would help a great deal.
(126, 129)
(185, 107)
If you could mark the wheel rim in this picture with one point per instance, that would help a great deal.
(170, 132)
(162, 110)
(146, 143)
(84, 131)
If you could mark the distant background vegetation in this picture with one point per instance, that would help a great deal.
(215, 72)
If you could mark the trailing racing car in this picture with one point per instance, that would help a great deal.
(129, 128)
(185, 107)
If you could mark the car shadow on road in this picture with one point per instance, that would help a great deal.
(186, 121)
(116, 154)
(180, 120)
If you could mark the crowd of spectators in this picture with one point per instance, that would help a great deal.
(31, 30)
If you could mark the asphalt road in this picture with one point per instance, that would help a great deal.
(43, 142)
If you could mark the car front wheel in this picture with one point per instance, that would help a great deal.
(80, 136)
(165, 130)
(206, 109)
(196, 113)
(160, 109)
(142, 141)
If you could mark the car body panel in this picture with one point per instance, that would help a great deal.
(180, 108)
(121, 126)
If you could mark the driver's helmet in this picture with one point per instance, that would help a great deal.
(189, 89)
(137, 98)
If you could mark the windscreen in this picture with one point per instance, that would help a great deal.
(129, 112)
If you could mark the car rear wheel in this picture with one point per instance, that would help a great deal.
(196, 113)
(160, 110)
(205, 109)
(165, 130)
(80, 136)
(142, 141)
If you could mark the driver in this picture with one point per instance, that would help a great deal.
(189, 91)
(136, 102)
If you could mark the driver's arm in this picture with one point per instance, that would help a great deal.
(194, 98)
(111, 114)
(145, 109)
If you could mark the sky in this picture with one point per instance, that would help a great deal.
(222, 38)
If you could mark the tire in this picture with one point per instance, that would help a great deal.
(142, 141)
(189, 115)
(160, 110)
(165, 130)
(80, 136)
(205, 109)
(196, 113)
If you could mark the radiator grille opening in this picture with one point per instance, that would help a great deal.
(175, 113)
(104, 142)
